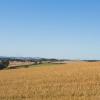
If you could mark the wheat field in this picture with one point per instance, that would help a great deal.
(74, 81)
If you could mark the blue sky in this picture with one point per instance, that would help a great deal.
(50, 28)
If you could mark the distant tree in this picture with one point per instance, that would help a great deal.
(4, 64)
(35, 62)
(40, 62)
(53, 60)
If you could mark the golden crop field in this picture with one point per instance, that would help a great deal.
(74, 81)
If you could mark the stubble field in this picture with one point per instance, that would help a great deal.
(73, 81)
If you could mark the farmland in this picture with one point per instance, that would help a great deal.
(72, 81)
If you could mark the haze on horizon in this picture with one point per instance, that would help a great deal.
(50, 28)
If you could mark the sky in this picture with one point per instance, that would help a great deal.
(50, 28)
